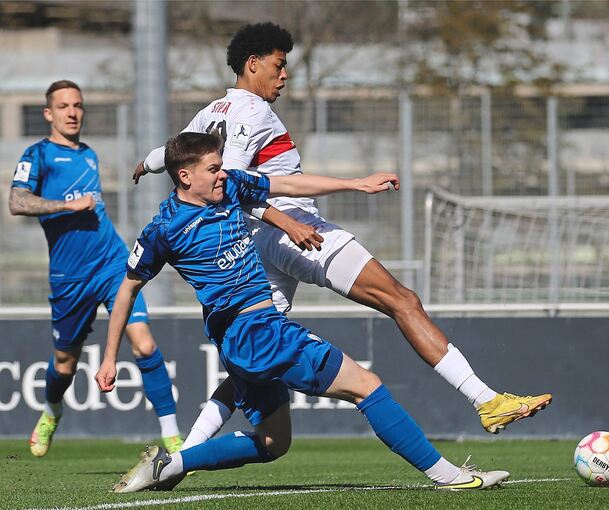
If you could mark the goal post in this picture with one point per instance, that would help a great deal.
(506, 249)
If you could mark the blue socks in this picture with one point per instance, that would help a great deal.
(157, 385)
(392, 424)
(56, 384)
(229, 451)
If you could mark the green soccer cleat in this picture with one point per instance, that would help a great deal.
(146, 473)
(173, 443)
(471, 478)
(504, 409)
(40, 440)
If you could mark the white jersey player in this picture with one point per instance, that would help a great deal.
(256, 140)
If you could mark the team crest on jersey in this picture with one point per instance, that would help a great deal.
(241, 135)
(91, 163)
(135, 255)
(22, 174)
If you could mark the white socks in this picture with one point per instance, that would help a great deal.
(53, 409)
(442, 471)
(457, 371)
(169, 425)
(174, 468)
(210, 421)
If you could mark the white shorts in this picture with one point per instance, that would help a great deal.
(336, 266)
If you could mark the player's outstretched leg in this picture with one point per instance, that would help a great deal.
(157, 470)
(375, 287)
(470, 477)
(394, 426)
(504, 409)
(156, 381)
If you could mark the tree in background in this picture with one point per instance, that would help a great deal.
(456, 49)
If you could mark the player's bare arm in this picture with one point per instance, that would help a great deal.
(307, 185)
(123, 304)
(139, 171)
(302, 235)
(24, 203)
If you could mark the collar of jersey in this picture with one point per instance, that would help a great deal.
(177, 199)
(245, 92)
(81, 146)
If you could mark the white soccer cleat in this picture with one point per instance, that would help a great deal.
(471, 478)
(146, 473)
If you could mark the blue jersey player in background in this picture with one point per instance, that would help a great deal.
(57, 179)
(201, 232)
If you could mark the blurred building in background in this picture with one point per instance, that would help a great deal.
(419, 88)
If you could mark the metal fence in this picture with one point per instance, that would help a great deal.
(469, 145)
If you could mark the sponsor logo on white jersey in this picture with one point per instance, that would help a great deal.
(62, 160)
(91, 163)
(135, 255)
(22, 174)
(237, 250)
(192, 225)
(241, 135)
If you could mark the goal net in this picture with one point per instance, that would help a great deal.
(516, 249)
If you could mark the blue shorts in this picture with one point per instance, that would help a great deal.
(74, 307)
(265, 354)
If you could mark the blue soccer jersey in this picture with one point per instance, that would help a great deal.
(80, 243)
(210, 247)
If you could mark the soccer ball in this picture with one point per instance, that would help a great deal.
(591, 458)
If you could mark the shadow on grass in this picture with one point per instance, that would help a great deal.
(330, 487)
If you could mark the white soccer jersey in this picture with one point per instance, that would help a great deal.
(256, 140)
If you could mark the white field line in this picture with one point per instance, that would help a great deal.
(207, 497)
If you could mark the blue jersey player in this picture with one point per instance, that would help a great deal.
(57, 179)
(201, 232)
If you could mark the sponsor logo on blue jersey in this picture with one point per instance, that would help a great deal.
(192, 225)
(236, 252)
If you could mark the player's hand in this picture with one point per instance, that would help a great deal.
(106, 376)
(139, 171)
(304, 236)
(377, 183)
(84, 203)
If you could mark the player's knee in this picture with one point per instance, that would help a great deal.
(279, 446)
(65, 368)
(140, 337)
(65, 363)
(371, 383)
(404, 299)
(367, 382)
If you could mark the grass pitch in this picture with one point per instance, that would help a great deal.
(316, 473)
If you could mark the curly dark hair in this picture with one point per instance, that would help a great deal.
(260, 39)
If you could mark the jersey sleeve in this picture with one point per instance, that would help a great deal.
(250, 133)
(251, 187)
(197, 124)
(155, 161)
(28, 173)
(149, 254)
